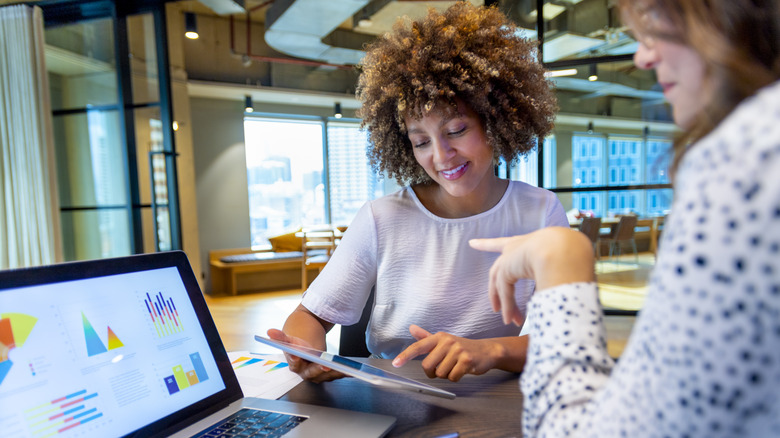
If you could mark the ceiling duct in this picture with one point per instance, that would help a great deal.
(297, 27)
(225, 7)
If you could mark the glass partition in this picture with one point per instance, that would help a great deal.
(114, 156)
(80, 59)
(91, 234)
(580, 29)
(143, 62)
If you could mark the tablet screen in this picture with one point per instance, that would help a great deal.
(357, 369)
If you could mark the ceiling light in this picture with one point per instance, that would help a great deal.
(590, 127)
(190, 26)
(365, 21)
(593, 73)
(248, 104)
(337, 110)
(558, 73)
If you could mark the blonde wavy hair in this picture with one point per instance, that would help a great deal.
(467, 53)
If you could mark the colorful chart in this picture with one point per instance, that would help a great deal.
(181, 380)
(62, 414)
(164, 315)
(14, 330)
(246, 361)
(94, 344)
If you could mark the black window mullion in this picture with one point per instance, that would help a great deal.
(166, 117)
(326, 169)
(128, 133)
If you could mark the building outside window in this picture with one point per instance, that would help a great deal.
(288, 185)
(352, 181)
(284, 174)
(630, 161)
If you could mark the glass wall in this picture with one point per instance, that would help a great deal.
(614, 128)
(89, 142)
(306, 172)
(115, 156)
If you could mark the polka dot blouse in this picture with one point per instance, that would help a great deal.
(704, 356)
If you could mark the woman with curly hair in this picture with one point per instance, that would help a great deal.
(442, 100)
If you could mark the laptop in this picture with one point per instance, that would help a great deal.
(127, 347)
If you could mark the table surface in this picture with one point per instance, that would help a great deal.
(609, 221)
(489, 405)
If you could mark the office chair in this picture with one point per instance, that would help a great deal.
(352, 340)
(591, 227)
(624, 233)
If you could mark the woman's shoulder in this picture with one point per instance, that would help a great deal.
(520, 189)
(760, 110)
(403, 195)
(393, 203)
(743, 138)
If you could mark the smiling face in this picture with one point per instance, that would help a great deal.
(453, 149)
(680, 71)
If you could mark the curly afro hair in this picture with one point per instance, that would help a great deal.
(466, 53)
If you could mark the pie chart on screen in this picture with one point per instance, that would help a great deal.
(14, 330)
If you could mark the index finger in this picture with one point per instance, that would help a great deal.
(422, 346)
(492, 245)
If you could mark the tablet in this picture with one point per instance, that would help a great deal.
(368, 373)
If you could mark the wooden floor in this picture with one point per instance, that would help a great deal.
(239, 318)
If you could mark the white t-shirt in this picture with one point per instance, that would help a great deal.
(423, 268)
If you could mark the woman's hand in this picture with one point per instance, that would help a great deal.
(551, 256)
(307, 370)
(449, 356)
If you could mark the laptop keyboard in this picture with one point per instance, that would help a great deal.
(253, 423)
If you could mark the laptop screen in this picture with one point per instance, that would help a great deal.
(102, 355)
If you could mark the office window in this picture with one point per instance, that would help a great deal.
(587, 166)
(288, 185)
(284, 161)
(659, 202)
(352, 180)
(626, 162)
(658, 160)
(625, 202)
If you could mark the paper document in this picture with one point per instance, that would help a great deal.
(263, 375)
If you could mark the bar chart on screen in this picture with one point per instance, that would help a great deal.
(60, 415)
(163, 314)
(181, 379)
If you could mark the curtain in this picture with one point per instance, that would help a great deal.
(29, 210)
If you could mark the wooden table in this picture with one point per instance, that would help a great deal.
(489, 405)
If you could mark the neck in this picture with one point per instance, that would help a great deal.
(442, 204)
